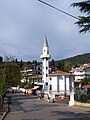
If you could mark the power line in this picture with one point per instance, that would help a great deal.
(58, 9)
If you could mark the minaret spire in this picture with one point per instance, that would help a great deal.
(45, 66)
(45, 41)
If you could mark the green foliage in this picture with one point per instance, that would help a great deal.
(85, 81)
(1, 59)
(83, 6)
(9, 74)
(52, 64)
(21, 64)
(84, 21)
(13, 75)
(3, 85)
(76, 61)
(67, 66)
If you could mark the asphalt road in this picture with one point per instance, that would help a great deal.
(24, 107)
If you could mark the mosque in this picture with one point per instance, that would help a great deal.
(56, 83)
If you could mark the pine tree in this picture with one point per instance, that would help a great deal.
(84, 21)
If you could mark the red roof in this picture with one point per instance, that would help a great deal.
(36, 76)
(86, 86)
(59, 72)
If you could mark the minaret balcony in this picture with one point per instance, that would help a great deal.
(45, 56)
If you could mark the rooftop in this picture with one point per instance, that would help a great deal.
(59, 72)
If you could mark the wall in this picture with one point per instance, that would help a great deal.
(54, 83)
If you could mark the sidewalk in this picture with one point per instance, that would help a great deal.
(81, 104)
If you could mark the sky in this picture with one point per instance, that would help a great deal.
(24, 23)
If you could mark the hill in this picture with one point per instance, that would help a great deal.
(79, 59)
(68, 63)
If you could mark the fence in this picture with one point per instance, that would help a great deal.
(82, 95)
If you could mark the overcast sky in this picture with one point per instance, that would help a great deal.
(24, 23)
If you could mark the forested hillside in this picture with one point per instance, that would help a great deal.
(68, 63)
(64, 64)
(79, 59)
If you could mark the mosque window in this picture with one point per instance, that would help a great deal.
(46, 75)
(46, 67)
(50, 87)
(46, 83)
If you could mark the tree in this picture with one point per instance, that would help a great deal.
(21, 64)
(2, 92)
(84, 21)
(52, 64)
(60, 65)
(85, 81)
(67, 66)
(9, 58)
(3, 85)
(1, 59)
(13, 75)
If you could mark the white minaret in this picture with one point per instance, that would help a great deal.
(45, 66)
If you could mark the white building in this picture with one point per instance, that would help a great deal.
(61, 83)
(81, 72)
(33, 70)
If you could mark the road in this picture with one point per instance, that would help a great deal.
(25, 107)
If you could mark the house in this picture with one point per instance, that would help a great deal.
(81, 72)
(61, 83)
(33, 70)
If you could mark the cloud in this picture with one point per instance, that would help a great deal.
(24, 23)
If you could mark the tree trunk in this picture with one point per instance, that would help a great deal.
(1, 102)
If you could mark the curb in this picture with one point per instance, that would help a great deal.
(80, 104)
(5, 113)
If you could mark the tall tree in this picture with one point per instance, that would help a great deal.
(84, 21)
(1, 59)
(9, 58)
(52, 64)
(67, 66)
(13, 75)
(3, 85)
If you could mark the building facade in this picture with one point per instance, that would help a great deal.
(31, 71)
(61, 83)
(81, 72)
